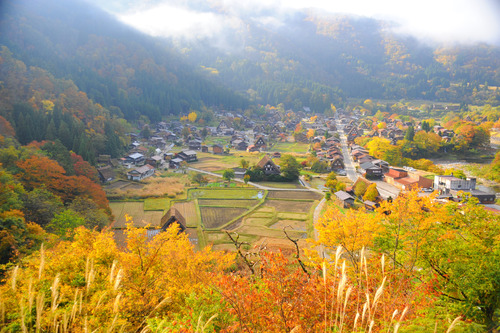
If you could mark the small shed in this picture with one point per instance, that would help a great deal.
(344, 199)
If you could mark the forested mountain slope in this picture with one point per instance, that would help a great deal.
(119, 68)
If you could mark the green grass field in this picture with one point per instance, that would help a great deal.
(291, 147)
(162, 204)
(281, 185)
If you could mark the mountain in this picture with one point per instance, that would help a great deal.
(116, 66)
(311, 58)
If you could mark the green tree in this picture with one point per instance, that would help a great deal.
(319, 166)
(228, 174)
(65, 222)
(199, 178)
(410, 133)
(464, 256)
(244, 163)
(40, 206)
(290, 167)
(94, 216)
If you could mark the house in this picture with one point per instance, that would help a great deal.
(204, 149)
(268, 166)
(140, 173)
(188, 156)
(276, 155)
(393, 174)
(370, 205)
(372, 171)
(483, 197)
(155, 161)
(337, 163)
(260, 143)
(239, 172)
(252, 149)
(222, 127)
(194, 145)
(344, 199)
(276, 129)
(104, 159)
(135, 158)
(381, 164)
(106, 174)
(173, 216)
(218, 149)
(259, 129)
(240, 145)
(447, 183)
(175, 163)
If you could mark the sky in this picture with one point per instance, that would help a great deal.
(431, 21)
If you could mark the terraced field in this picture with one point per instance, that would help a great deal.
(294, 195)
(216, 217)
(135, 210)
(188, 210)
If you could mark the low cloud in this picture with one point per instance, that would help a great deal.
(443, 21)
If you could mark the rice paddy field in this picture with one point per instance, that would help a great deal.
(257, 216)
(217, 217)
(236, 193)
(135, 209)
(228, 203)
(189, 211)
(295, 195)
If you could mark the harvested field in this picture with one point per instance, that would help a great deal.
(297, 195)
(281, 185)
(228, 203)
(188, 210)
(290, 206)
(149, 187)
(226, 194)
(292, 216)
(216, 217)
(290, 225)
(136, 211)
(258, 221)
(267, 232)
(117, 184)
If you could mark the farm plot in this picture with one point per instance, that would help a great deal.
(290, 225)
(161, 204)
(136, 211)
(188, 210)
(290, 206)
(297, 195)
(228, 203)
(216, 217)
(226, 194)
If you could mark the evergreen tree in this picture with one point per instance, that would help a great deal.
(410, 133)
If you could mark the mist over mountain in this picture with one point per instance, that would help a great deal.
(345, 56)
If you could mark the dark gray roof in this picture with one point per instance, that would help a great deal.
(342, 195)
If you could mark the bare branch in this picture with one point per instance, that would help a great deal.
(297, 250)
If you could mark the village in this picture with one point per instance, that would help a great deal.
(199, 157)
